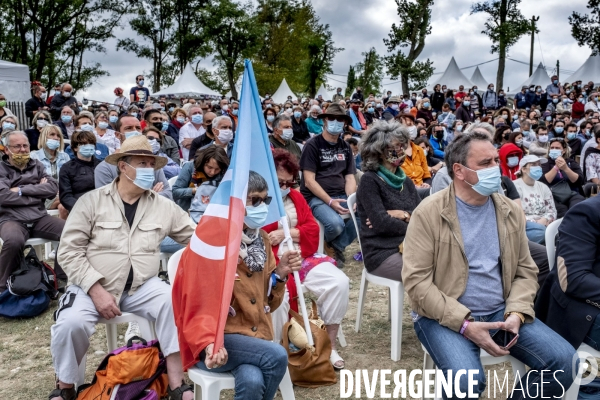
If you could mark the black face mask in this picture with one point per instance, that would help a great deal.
(505, 136)
(439, 135)
(157, 125)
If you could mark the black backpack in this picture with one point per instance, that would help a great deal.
(30, 288)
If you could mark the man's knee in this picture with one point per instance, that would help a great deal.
(13, 239)
(69, 329)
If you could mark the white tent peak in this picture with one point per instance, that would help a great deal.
(323, 92)
(538, 78)
(187, 85)
(452, 77)
(281, 94)
(589, 71)
(479, 80)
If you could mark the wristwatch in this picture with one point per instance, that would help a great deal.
(278, 279)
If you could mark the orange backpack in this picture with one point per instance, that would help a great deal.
(135, 371)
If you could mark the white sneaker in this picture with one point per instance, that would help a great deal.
(132, 330)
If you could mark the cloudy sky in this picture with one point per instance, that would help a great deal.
(358, 25)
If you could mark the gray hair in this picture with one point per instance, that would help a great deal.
(217, 121)
(6, 137)
(457, 152)
(68, 108)
(315, 108)
(373, 146)
(279, 119)
(126, 159)
(40, 113)
(482, 127)
(256, 183)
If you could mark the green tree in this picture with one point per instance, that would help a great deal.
(233, 35)
(408, 38)
(505, 26)
(190, 42)
(585, 28)
(154, 24)
(370, 71)
(350, 81)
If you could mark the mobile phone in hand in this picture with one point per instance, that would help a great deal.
(505, 339)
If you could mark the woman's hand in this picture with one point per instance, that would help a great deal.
(290, 261)
(436, 168)
(561, 164)
(542, 221)
(399, 214)
(276, 237)
(215, 360)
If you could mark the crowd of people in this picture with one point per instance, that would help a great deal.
(455, 190)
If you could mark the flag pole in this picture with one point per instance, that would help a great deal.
(290, 243)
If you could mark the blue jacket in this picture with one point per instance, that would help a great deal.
(568, 302)
(438, 147)
(529, 99)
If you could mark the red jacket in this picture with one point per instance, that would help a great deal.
(309, 238)
(507, 150)
(578, 110)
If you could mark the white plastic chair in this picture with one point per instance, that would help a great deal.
(46, 243)
(573, 391)
(164, 260)
(486, 359)
(551, 232)
(208, 385)
(172, 181)
(396, 299)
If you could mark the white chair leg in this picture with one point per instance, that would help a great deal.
(427, 364)
(111, 336)
(397, 303)
(197, 392)
(286, 387)
(389, 304)
(361, 299)
(341, 338)
(573, 392)
(82, 371)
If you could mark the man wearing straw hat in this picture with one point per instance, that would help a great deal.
(110, 250)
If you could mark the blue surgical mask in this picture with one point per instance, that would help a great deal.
(235, 111)
(181, 120)
(535, 173)
(8, 126)
(52, 144)
(171, 109)
(555, 81)
(87, 128)
(559, 129)
(87, 150)
(66, 119)
(113, 119)
(335, 127)
(459, 128)
(571, 135)
(426, 104)
(489, 181)
(549, 118)
(512, 161)
(134, 114)
(555, 101)
(141, 83)
(371, 110)
(270, 118)
(197, 119)
(467, 103)
(102, 124)
(165, 125)
(297, 114)
(144, 178)
(554, 154)
(131, 134)
(284, 192)
(256, 216)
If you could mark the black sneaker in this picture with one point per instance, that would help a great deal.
(340, 258)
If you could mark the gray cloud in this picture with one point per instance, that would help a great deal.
(358, 25)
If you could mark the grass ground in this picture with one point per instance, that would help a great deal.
(26, 364)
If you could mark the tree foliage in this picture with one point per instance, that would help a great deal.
(370, 71)
(505, 26)
(585, 28)
(350, 81)
(408, 40)
(52, 37)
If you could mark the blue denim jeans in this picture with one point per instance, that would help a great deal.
(257, 365)
(593, 336)
(538, 346)
(535, 232)
(339, 232)
(170, 246)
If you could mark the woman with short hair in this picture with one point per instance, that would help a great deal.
(385, 199)
(8, 123)
(105, 134)
(155, 138)
(313, 123)
(40, 120)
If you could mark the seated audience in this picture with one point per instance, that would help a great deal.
(198, 180)
(283, 134)
(536, 198)
(155, 137)
(85, 122)
(591, 164)
(77, 176)
(299, 128)
(40, 120)
(24, 188)
(516, 138)
(502, 135)
(178, 119)
(105, 133)
(66, 122)
(313, 123)
(437, 141)
(269, 115)
(468, 274)
(510, 155)
(117, 272)
(257, 364)
(223, 134)
(434, 164)
(191, 130)
(414, 164)
(328, 169)
(322, 279)
(206, 138)
(539, 147)
(386, 199)
(563, 176)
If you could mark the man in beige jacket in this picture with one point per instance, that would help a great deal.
(469, 275)
(110, 251)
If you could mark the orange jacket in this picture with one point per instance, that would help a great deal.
(415, 167)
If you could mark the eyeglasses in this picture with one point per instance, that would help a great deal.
(257, 200)
(338, 119)
(19, 147)
(287, 183)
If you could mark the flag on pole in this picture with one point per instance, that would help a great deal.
(205, 277)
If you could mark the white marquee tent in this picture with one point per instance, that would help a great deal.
(187, 85)
(452, 78)
(283, 91)
(323, 92)
(238, 87)
(14, 81)
(540, 77)
(589, 71)
(479, 80)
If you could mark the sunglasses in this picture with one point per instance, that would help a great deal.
(287, 183)
(338, 119)
(257, 200)
(43, 119)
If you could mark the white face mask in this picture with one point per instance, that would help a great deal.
(287, 134)
(67, 94)
(413, 133)
(225, 135)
